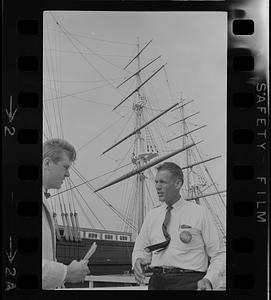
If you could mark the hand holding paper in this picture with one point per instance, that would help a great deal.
(90, 251)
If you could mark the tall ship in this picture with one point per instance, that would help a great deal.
(120, 112)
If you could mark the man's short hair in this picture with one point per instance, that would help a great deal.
(54, 149)
(174, 169)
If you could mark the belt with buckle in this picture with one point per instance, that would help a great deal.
(164, 270)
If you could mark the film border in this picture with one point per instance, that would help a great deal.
(247, 139)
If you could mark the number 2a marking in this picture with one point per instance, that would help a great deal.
(10, 286)
(11, 272)
(10, 131)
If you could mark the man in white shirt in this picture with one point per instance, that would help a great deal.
(58, 155)
(178, 240)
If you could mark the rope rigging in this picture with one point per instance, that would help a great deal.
(93, 213)
(85, 81)
(129, 204)
(118, 213)
(102, 132)
(50, 67)
(154, 139)
(64, 95)
(67, 34)
(91, 37)
(87, 53)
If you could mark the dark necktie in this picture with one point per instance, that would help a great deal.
(163, 245)
(166, 222)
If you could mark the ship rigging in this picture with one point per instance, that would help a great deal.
(155, 135)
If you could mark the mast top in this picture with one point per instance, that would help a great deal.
(138, 54)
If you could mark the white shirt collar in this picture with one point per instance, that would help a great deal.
(177, 204)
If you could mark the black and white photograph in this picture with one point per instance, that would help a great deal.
(134, 150)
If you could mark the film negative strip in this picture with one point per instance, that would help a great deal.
(247, 141)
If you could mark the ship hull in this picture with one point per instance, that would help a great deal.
(111, 257)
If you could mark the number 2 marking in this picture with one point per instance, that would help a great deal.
(10, 131)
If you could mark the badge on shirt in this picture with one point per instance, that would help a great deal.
(185, 236)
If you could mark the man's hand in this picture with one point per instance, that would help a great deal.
(139, 269)
(77, 271)
(204, 285)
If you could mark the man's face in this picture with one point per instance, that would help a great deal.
(55, 173)
(167, 187)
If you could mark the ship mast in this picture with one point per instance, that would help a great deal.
(185, 137)
(144, 151)
(138, 107)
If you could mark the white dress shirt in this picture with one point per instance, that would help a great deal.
(53, 273)
(205, 242)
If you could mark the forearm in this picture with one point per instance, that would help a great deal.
(140, 253)
(139, 249)
(215, 249)
(216, 268)
(142, 241)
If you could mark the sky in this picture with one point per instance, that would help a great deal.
(84, 57)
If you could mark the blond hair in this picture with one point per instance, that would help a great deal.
(54, 149)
